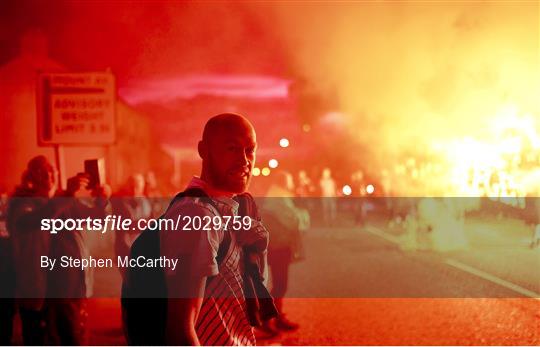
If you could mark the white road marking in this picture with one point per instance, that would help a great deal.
(463, 267)
(494, 279)
(378, 232)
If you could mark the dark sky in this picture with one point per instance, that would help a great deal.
(148, 39)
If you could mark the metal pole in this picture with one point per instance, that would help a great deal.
(59, 158)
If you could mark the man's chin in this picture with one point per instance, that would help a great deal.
(239, 186)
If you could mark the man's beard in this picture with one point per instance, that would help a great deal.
(221, 181)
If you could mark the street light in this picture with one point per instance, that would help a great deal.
(273, 163)
(370, 189)
(256, 171)
(284, 142)
(347, 190)
(265, 171)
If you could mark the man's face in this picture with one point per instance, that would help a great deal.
(137, 185)
(231, 156)
(49, 182)
(53, 181)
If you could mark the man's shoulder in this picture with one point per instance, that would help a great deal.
(192, 206)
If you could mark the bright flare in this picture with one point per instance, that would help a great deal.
(273, 163)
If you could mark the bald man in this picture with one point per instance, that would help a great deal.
(208, 306)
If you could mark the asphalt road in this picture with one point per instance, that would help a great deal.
(360, 288)
(370, 262)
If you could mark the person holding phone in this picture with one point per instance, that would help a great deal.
(35, 199)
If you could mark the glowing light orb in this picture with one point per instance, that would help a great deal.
(273, 163)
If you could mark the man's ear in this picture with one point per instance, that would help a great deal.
(202, 148)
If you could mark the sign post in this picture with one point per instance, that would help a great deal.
(60, 164)
(75, 109)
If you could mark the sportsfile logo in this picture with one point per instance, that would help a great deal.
(119, 223)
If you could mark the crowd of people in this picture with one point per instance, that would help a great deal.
(218, 295)
(52, 305)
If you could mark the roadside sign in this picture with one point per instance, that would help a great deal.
(76, 108)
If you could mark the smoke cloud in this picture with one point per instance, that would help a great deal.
(414, 73)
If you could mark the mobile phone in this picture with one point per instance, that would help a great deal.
(95, 169)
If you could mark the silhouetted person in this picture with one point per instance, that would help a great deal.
(328, 194)
(305, 187)
(130, 203)
(31, 203)
(154, 195)
(35, 199)
(284, 222)
(68, 287)
(7, 277)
